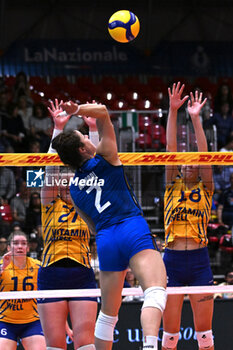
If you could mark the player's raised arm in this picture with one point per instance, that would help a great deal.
(48, 193)
(93, 131)
(195, 105)
(107, 146)
(175, 101)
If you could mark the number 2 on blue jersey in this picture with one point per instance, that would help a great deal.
(100, 208)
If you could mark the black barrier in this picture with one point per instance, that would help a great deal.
(128, 333)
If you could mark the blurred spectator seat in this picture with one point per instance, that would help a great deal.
(118, 104)
(182, 80)
(59, 82)
(192, 140)
(158, 136)
(142, 104)
(182, 132)
(132, 97)
(37, 97)
(72, 90)
(10, 81)
(84, 97)
(225, 80)
(62, 96)
(144, 90)
(205, 85)
(182, 147)
(157, 115)
(97, 93)
(156, 98)
(156, 132)
(144, 141)
(109, 83)
(50, 92)
(157, 84)
(132, 83)
(225, 243)
(121, 91)
(5, 212)
(213, 235)
(145, 124)
(85, 83)
(37, 83)
(108, 98)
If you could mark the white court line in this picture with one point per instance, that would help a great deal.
(70, 293)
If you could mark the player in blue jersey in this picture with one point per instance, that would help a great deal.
(104, 199)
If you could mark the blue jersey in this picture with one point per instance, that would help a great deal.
(102, 194)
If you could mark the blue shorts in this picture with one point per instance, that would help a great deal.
(79, 277)
(118, 243)
(20, 331)
(188, 267)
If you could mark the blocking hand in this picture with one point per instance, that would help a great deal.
(195, 104)
(175, 96)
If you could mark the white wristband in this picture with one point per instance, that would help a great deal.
(62, 114)
(55, 133)
(94, 137)
(76, 112)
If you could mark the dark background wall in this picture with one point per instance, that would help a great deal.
(199, 20)
(173, 34)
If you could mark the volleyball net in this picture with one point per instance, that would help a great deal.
(146, 173)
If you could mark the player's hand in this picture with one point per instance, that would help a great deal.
(195, 104)
(55, 111)
(6, 259)
(91, 122)
(175, 96)
(69, 332)
(69, 107)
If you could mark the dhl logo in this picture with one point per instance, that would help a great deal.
(151, 158)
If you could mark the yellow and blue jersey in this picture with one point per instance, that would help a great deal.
(18, 311)
(187, 211)
(64, 233)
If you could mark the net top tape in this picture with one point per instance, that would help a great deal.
(145, 158)
(70, 293)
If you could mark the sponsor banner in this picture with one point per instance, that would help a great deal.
(26, 159)
(176, 158)
(128, 332)
(66, 57)
(146, 158)
(71, 56)
(193, 58)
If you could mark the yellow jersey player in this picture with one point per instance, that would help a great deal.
(187, 207)
(65, 258)
(187, 210)
(19, 318)
(65, 234)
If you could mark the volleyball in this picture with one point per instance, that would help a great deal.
(123, 26)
